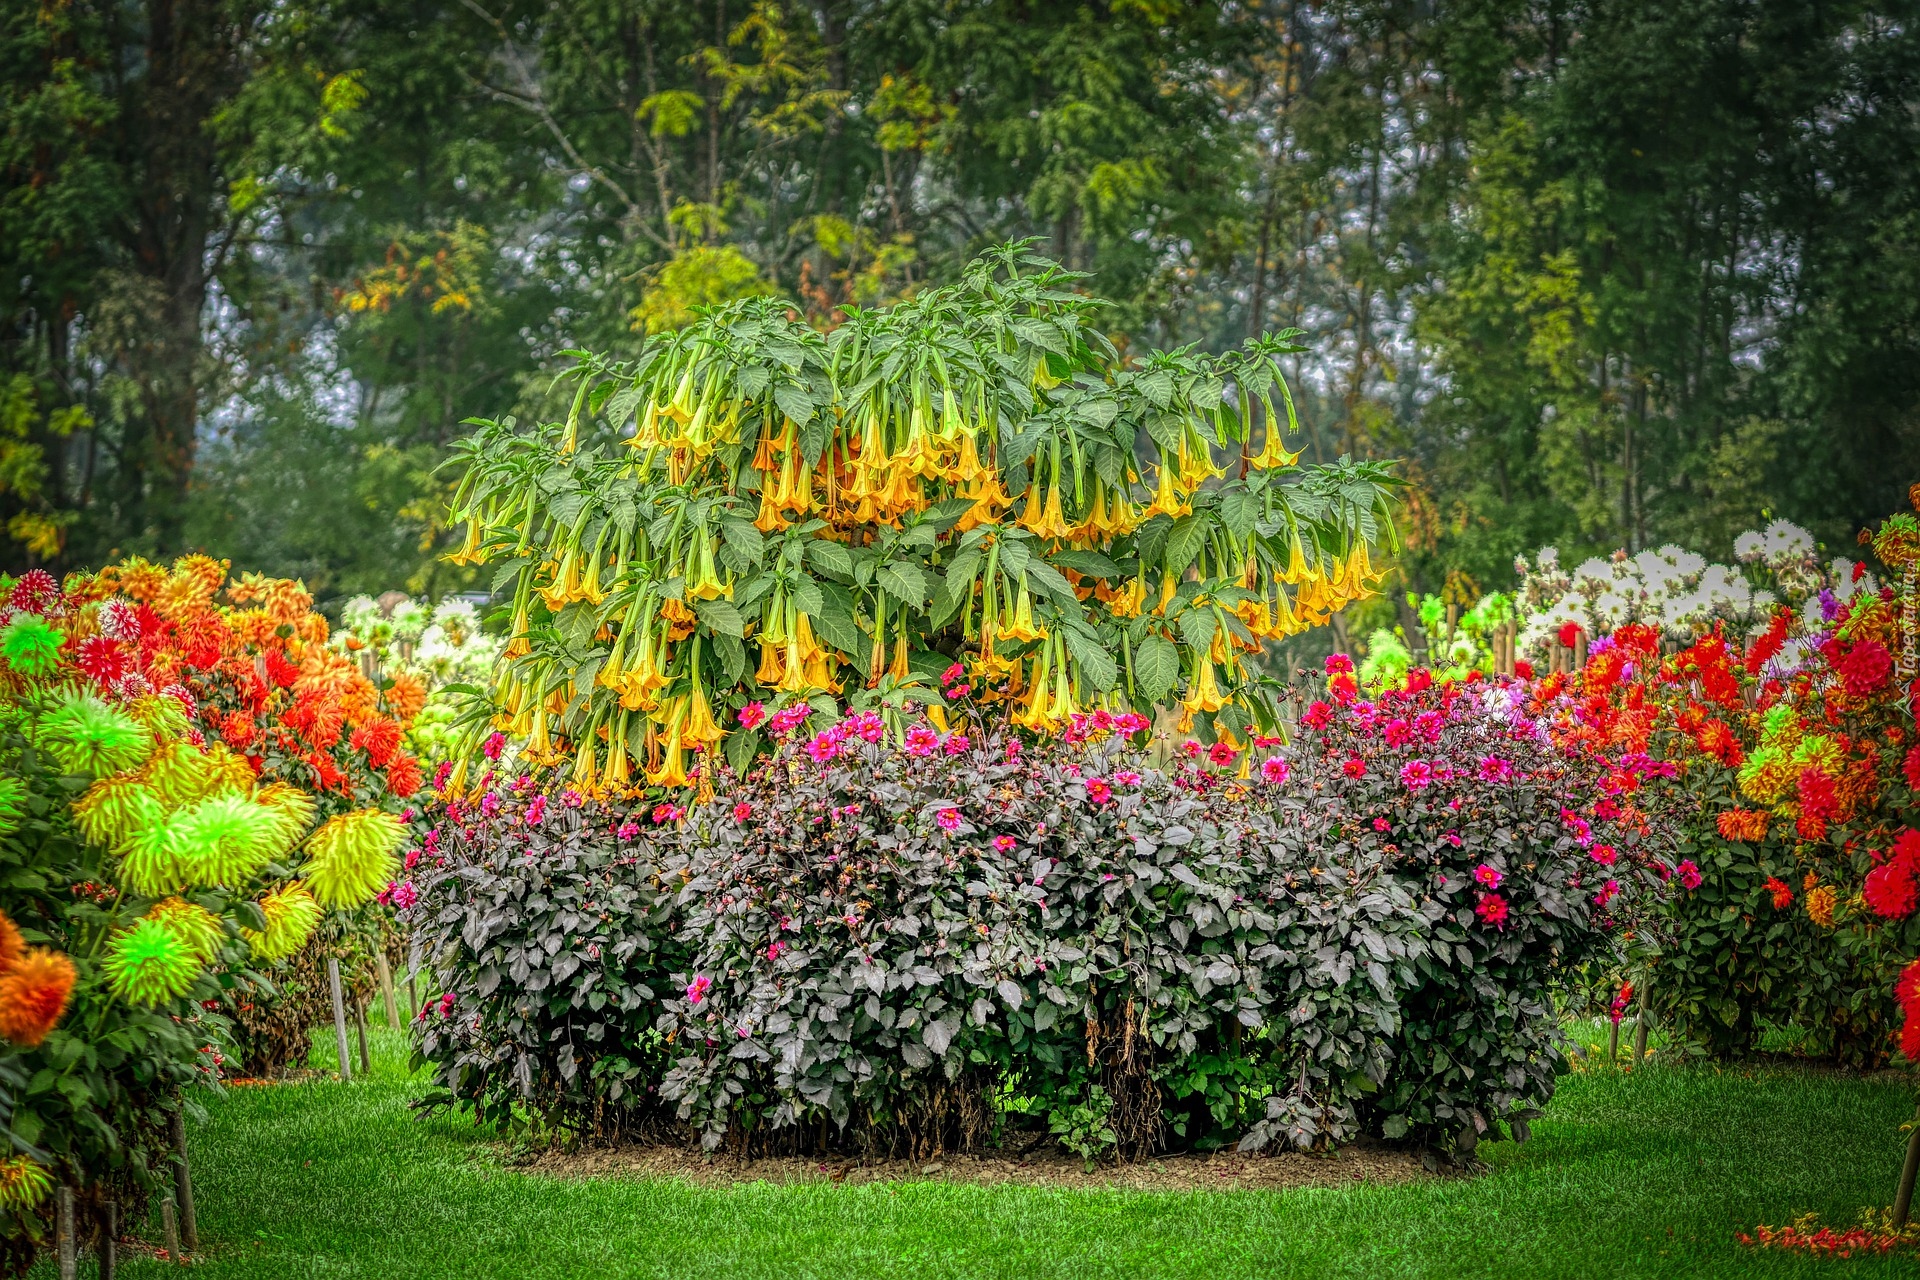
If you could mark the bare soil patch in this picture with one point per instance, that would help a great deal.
(1217, 1171)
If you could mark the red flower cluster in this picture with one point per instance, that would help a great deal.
(250, 661)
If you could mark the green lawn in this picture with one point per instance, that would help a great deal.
(1648, 1174)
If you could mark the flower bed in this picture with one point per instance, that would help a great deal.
(907, 943)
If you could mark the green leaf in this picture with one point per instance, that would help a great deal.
(798, 405)
(1095, 662)
(1197, 627)
(905, 581)
(1184, 542)
(742, 746)
(834, 624)
(945, 514)
(1047, 578)
(721, 617)
(742, 534)
(508, 571)
(1156, 666)
(1090, 563)
(1238, 510)
(831, 558)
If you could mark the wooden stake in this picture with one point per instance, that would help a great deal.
(1903, 1198)
(385, 971)
(170, 1228)
(1640, 1029)
(339, 1019)
(63, 1232)
(1613, 1045)
(360, 1024)
(109, 1227)
(183, 1183)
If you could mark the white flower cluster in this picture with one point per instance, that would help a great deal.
(1678, 591)
(442, 644)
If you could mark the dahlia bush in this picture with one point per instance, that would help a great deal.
(907, 940)
(1795, 748)
(147, 863)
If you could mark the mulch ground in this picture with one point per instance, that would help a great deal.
(1217, 1171)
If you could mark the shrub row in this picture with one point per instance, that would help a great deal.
(907, 945)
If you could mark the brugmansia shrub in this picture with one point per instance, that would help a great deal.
(139, 853)
(753, 512)
(896, 943)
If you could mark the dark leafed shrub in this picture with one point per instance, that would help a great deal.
(545, 924)
(902, 948)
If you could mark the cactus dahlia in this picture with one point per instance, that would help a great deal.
(23, 1184)
(292, 809)
(149, 965)
(226, 839)
(33, 994)
(196, 928)
(30, 646)
(150, 862)
(291, 915)
(88, 737)
(351, 857)
(114, 810)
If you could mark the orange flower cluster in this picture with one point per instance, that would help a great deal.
(34, 987)
(1749, 825)
(255, 670)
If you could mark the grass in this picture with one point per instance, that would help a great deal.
(1642, 1174)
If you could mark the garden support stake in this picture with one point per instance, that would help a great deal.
(1613, 1044)
(183, 1183)
(170, 1229)
(109, 1228)
(1640, 1030)
(339, 1019)
(1903, 1198)
(360, 1025)
(63, 1233)
(385, 971)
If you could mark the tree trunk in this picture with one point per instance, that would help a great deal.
(193, 67)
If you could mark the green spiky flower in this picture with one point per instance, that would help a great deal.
(291, 916)
(293, 813)
(24, 1185)
(164, 716)
(178, 774)
(90, 738)
(114, 810)
(226, 839)
(13, 802)
(351, 856)
(30, 646)
(150, 861)
(197, 928)
(149, 965)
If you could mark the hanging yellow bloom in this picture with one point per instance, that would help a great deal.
(1167, 501)
(1203, 695)
(673, 767)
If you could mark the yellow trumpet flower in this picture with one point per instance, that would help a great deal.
(1272, 455)
(469, 553)
(673, 769)
(701, 731)
(1167, 500)
(584, 767)
(769, 520)
(518, 643)
(1203, 695)
(1022, 627)
(770, 670)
